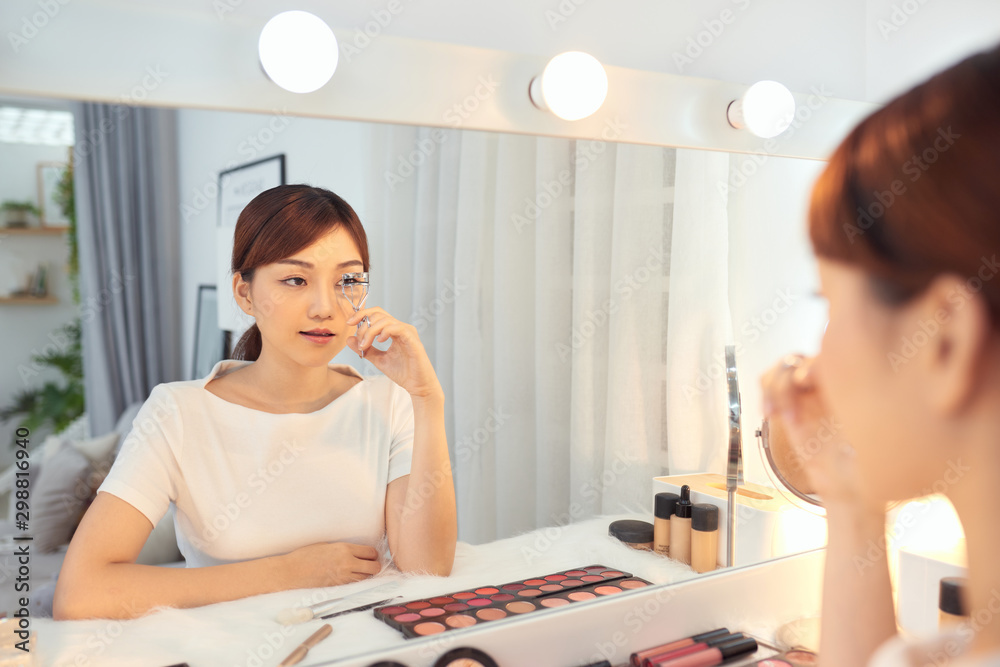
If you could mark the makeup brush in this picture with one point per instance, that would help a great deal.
(295, 615)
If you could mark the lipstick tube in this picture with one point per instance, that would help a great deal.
(637, 658)
(712, 655)
(693, 648)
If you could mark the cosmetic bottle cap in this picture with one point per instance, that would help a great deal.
(720, 632)
(737, 647)
(951, 599)
(631, 531)
(683, 506)
(663, 505)
(704, 517)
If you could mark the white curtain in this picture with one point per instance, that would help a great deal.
(537, 271)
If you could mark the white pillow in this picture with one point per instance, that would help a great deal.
(98, 449)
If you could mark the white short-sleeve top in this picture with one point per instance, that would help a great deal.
(249, 484)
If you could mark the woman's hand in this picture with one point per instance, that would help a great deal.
(328, 564)
(793, 405)
(405, 362)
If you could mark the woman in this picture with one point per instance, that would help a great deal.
(905, 221)
(286, 471)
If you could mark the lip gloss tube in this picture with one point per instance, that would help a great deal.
(692, 648)
(713, 655)
(638, 657)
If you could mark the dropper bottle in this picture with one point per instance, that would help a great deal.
(680, 528)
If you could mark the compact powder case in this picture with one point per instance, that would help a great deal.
(487, 604)
(465, 657)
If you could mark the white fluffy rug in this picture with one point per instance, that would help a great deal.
(246, 632)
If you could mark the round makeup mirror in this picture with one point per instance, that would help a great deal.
(783, 464)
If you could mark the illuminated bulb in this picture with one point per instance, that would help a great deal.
(573, 85)
(766, 109)
(298, 51)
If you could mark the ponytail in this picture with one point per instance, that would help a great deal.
(248, 347)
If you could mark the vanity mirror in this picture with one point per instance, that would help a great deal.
(574, 286)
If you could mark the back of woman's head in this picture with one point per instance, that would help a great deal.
(280, 222)
(913, 192)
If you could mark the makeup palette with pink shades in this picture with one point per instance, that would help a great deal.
(488, 604)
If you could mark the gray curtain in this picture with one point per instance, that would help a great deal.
(128, 229)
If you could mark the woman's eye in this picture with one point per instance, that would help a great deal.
(299, 284)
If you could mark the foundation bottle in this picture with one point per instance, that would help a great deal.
(704, 537)
(680, 528)
(663, 509)
(951, 602)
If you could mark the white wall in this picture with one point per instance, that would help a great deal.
(25, 329)
(908, 40)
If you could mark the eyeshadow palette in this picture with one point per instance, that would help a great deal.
(486, 604)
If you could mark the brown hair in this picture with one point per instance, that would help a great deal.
(913, 191)
(280, 222)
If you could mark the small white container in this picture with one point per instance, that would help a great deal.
(767, 525)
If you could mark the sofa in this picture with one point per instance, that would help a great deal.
(64, 473)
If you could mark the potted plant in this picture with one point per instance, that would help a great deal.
(16, 213)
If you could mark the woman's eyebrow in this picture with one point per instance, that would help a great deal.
(309, 265)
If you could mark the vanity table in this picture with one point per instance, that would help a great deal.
(755, 600)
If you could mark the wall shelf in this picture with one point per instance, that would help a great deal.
(32, 300)
(33, 231)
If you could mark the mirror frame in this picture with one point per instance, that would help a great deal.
(391, 80)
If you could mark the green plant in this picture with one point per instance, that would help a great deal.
(67, 203)
(22, 206)
(54, 404)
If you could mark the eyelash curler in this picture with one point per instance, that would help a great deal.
(357, 283)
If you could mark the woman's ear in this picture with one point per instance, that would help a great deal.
(241, 292)
(949, 334)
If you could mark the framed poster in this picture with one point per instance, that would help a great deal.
(237, 186)
(49, 175)
(211, 345)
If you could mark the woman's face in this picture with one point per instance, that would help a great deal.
(302, 294)
(874, 391)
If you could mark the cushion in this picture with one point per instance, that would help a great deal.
(59, 498)
(97, 450)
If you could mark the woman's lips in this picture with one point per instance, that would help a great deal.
(321, 339)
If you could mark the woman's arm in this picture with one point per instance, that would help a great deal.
(420, 507)
(857, 614)
(100, 579)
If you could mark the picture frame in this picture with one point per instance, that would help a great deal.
(49, 176)
(236, 187)
(211, 344)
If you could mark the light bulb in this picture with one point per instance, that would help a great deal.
(298, 51)
(766, 109)
(573, 85)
